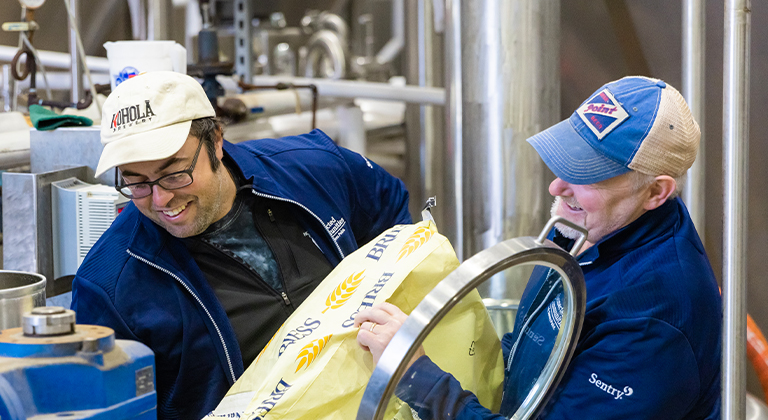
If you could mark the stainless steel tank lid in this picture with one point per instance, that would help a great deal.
(48, 321)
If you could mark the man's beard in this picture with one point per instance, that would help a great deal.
(566, 231)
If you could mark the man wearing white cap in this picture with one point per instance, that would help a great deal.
(650, 344)
(221, 242)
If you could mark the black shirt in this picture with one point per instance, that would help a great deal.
(261, 264)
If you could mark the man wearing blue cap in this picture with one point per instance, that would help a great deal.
(650, 343)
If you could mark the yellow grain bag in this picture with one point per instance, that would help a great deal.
(314, 369)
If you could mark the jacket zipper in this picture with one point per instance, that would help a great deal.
(178, 279)
(338, 248)
(283, 294)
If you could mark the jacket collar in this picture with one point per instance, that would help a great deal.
(252, 170)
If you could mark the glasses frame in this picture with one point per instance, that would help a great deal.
(119, 187)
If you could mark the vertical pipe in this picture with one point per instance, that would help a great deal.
(76, 68)
(453, 199)
(424, 123)
(9, 89)
(735, 177)
(510, 92)
(414, 122)
(694, 18)
(158, 22)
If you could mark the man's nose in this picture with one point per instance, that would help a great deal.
(558, 187)
(161, 196)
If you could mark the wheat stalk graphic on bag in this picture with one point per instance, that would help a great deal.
(419, 238)
(309, 352)
(341, 294)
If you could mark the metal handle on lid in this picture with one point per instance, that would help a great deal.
(557, 219)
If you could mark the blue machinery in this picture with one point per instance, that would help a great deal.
(52, 368)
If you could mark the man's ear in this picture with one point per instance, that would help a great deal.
(219, 142)
(659, 191)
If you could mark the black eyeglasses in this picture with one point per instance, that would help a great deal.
(172, 181)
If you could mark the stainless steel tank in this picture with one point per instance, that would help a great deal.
(19, 293)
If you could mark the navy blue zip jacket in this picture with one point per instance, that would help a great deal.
(649, 347)
(142, 282)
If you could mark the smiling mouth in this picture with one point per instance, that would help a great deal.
(573, 206)
(174, 212)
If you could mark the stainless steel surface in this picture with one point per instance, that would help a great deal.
(474, 271)
(9, 89)
(736, 60)
(20, 292)
(27, 231)
(424, 124)
(452, 197)
(756, 409)
(104, 18)
(325, 48)
(47, 321)
(392, 48)
(369, 90)
(694, 48)
(138, 12)
(67, 147)
(59, 80)
(158, 19)
(15, 159)
(326, 20)
(75, 67)
(243, 41)
(510, 92)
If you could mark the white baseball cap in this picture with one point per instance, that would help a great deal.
(148, 117)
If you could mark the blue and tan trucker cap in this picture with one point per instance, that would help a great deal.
(635, 123)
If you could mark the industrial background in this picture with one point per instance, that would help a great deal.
(599, 41)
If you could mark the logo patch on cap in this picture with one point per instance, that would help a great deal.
(602, 113)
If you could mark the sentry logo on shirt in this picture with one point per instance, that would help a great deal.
(609, 389)
(602, 113)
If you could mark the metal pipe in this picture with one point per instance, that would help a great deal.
(157, 20)
(138, 11)
(454, 199)
(325, 43)
(369, 90)
(392, 48)
(75, 68)
(56, 60)
(510, 92)
(424, 124)
(736, 59)
(694, 18)
(9, 89)
(58, 81)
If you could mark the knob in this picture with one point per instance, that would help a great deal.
(48, 321)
